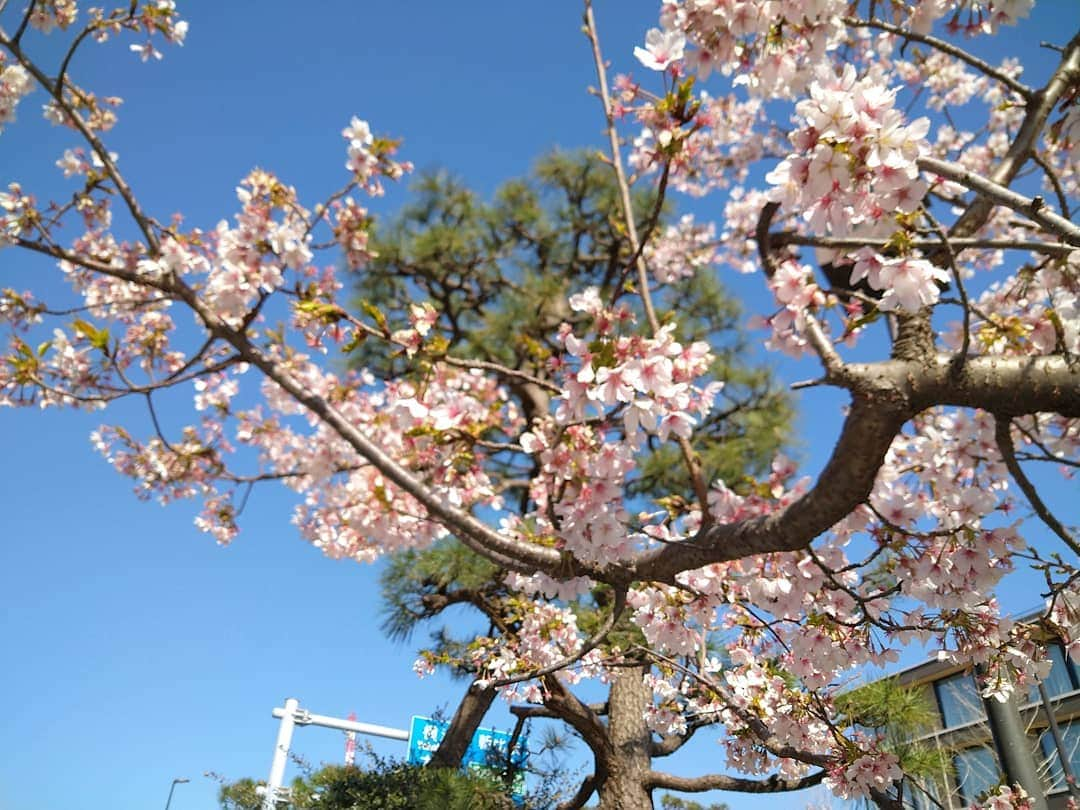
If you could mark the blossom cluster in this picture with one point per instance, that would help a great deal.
(681, 251)
(14, 84)
(1005, 797)
(352, 227)
(351, 509)
(154, 17)
(772, 45)
(853, 167)
(16, 213)
(869, 772)
(714, 149)
(49, 14)
(651, 380)
(371, 158)
(982, 16)
(1038, 314)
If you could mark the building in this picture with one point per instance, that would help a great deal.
(963, 734)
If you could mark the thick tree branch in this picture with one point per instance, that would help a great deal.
(467, 718)
(583, 720)
(720, 781)
(885, 395)
(545, 711)
(668, 744)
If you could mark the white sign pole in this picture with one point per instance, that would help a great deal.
(281, 752)
(292, 715)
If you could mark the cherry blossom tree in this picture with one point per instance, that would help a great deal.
(496, 270)
(940, 295)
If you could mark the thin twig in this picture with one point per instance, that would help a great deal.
(950, 255)
(597, 638)
(57, 92)
(1056, 249)
(25, 21)
(1055, 182)
(1003, 436)
(693, 464)
(947, 48)
(616, 164)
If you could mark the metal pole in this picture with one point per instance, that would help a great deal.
(1014, 748)
(172, 787)
(302, 717)
(1059, 743)
(281, 752)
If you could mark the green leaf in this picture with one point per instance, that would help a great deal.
(376, 315)
(98, 338)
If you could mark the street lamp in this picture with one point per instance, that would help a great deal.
(172, 787)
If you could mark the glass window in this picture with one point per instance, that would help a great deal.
(1070, 736)
(976, 772)
(916, 798)
(959, 700)
(1060, 680)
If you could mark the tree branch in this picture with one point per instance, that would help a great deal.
(819, 341)
(1003, 436)
(1032, 207)
(527, 710)
(885, 395)
(57, 92)
(1040, 105)
(597, 638)
(693, 464)
(1056, 249)
(948, 48)
(583, 794)
(720, 781)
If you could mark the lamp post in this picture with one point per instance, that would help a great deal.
(172, 787)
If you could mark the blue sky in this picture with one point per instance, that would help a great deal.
(136, 650)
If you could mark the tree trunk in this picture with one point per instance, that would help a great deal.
(629, 763)
(466, 720)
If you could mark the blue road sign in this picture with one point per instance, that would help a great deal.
(486, 752)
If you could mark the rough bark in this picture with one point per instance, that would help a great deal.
(629, 766)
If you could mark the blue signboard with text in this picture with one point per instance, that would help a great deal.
(487, 751)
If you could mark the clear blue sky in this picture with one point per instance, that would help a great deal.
(136, 650)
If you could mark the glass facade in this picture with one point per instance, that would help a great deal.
(976, 772)
(917, 798)
(964, 735)
(1070, 734)
(1064, 675)
(959, 700)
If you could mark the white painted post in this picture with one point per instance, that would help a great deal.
(281, 753)
(303, 717)
(292, 715)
